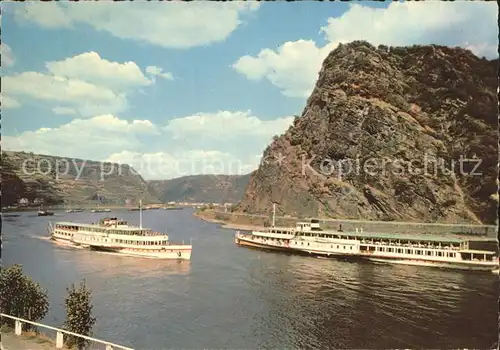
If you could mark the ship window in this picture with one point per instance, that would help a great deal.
(307, 243)
(343, 247)
(429, 252)
(439, 254)
(452, 255)
(400, 250)
(409, 251)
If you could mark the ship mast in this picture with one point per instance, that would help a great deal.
(140, 213)
(274, 213)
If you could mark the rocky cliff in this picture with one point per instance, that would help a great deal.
(201, 188)
(389, 133)
(57, 180)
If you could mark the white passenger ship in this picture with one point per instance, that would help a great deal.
(422, 250)
(116, 236)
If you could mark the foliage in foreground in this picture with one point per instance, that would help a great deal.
(79, 318)
(21, 297)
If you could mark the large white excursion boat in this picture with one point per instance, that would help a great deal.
(116, 236)
(415, 249)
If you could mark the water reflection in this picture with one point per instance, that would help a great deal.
(112, 265)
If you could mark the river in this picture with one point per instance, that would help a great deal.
(233, 297)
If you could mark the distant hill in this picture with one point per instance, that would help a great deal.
(55, 180)
(201, 188)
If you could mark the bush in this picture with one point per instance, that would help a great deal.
(399, 102)
(21, 297)
(79, 318)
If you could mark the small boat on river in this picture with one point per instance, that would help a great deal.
(42, 212)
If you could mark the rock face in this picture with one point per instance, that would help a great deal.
(201, 188)
(56, 180)
(407, 134)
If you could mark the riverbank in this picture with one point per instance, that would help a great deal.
(241, 221)
(60, 208)
(84, 208)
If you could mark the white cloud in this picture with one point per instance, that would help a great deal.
(8, 102)
(157, 71)
(86, 83)
(86, 98)
(293, 67)
(94, 138)
(163, 165)
(226, 124)
(90, 67)
(172, 25)
(63, 111)
(8, 59)
(409, 23)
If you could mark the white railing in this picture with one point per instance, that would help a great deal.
(18, 330)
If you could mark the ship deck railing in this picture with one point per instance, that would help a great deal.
(60, 333)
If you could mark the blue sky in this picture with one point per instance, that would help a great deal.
(181, 88)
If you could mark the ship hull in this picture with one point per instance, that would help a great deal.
(174, 252)
(255, 245)
(246, 241)
(61, 240)
(179, 253)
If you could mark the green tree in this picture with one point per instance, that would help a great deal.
(79, 318)
(21, 296)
